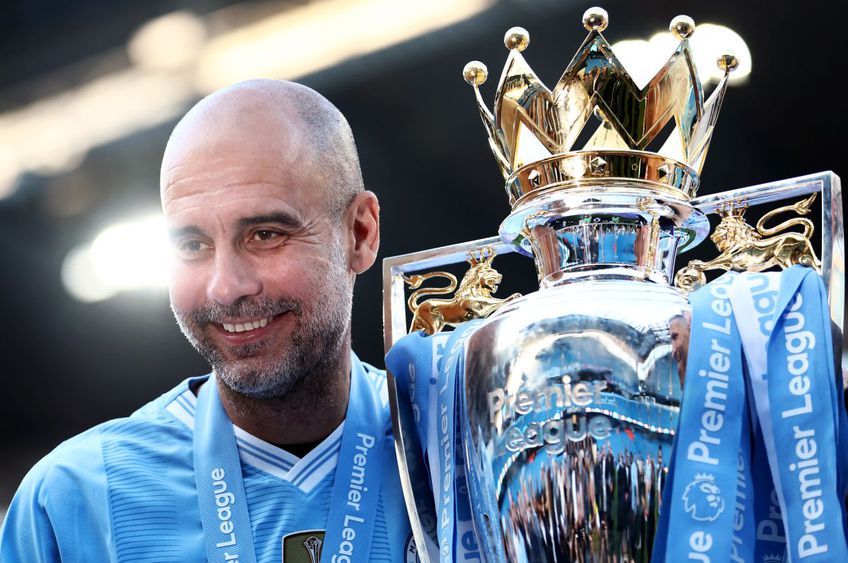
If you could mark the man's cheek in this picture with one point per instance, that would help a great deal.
(185, 296)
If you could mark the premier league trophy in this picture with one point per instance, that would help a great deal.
(567, 399)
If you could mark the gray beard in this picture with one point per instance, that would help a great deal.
(316, 349)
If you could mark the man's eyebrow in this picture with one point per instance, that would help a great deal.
(279, 218)
(180, 232)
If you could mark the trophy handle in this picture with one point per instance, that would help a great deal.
(832, 227)
(414, 478)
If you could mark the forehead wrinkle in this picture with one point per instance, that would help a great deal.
(180, 165)
(209, 209)
(222, 185)
(211, 182)
(248, 168)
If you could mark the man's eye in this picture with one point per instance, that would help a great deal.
(191, 247)
(264, 236)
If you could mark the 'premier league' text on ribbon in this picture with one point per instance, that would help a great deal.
(223, 500)
(718, 393)
(445, 492)
(356, 488)
(715, 398)
(739, 511)
(797, 342)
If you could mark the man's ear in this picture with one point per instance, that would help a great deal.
(363, 227)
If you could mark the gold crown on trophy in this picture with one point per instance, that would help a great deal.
(534, 129)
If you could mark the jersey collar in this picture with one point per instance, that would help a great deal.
(304, 473)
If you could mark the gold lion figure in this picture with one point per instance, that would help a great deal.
(473, 299)
(744, 248)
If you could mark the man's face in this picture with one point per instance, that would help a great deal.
(679, 332)
(260, 283)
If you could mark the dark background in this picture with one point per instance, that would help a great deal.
(68, 365)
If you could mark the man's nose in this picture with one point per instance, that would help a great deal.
(232, 279)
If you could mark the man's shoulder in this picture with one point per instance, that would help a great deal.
(84, 457)
(374, 372)
(377, 378)
(113, 481)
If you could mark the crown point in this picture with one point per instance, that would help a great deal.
(595, 19)
(728, 62)
(517, 38)
(475, 73)
(682, 27)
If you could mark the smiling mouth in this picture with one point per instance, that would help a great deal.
(247, 326)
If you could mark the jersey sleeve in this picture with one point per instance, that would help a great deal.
(27, 534)
(60, 511)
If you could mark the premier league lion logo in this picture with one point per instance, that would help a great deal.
(702, 498)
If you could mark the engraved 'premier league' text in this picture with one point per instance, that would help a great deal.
(552, 434)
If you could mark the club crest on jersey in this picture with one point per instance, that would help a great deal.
(303, 547)
(410, 552)
(702, 498)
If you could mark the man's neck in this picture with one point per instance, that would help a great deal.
(308, 414)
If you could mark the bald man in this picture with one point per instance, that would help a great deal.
(284, 452)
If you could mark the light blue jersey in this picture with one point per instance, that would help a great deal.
(125, 491)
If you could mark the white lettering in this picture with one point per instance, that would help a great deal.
(715, 397)
(223, 500)
(700, 543)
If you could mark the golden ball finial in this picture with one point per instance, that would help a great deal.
(475, 73)
(517, 38)
(682, 27)
(728, 62)
(595, 19)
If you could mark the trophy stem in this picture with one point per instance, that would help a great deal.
(627, 230)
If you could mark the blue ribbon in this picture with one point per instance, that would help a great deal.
(754, 299)
(220, 488)
(805, 421)
(797, 416)
(465, 546)
(770, 537)
(743, 540)
(429, 367)
(703, 495)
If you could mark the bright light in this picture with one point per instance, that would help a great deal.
(54, 134)
(643, 59)
(174, 63)
(319, 35)
(9, 168)
(171, 42)
(125, 256)
(710, 42)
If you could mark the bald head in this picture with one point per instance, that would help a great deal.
(289, 124)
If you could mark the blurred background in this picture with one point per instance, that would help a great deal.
(90, 89)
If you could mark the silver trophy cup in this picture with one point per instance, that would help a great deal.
(571, 394)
